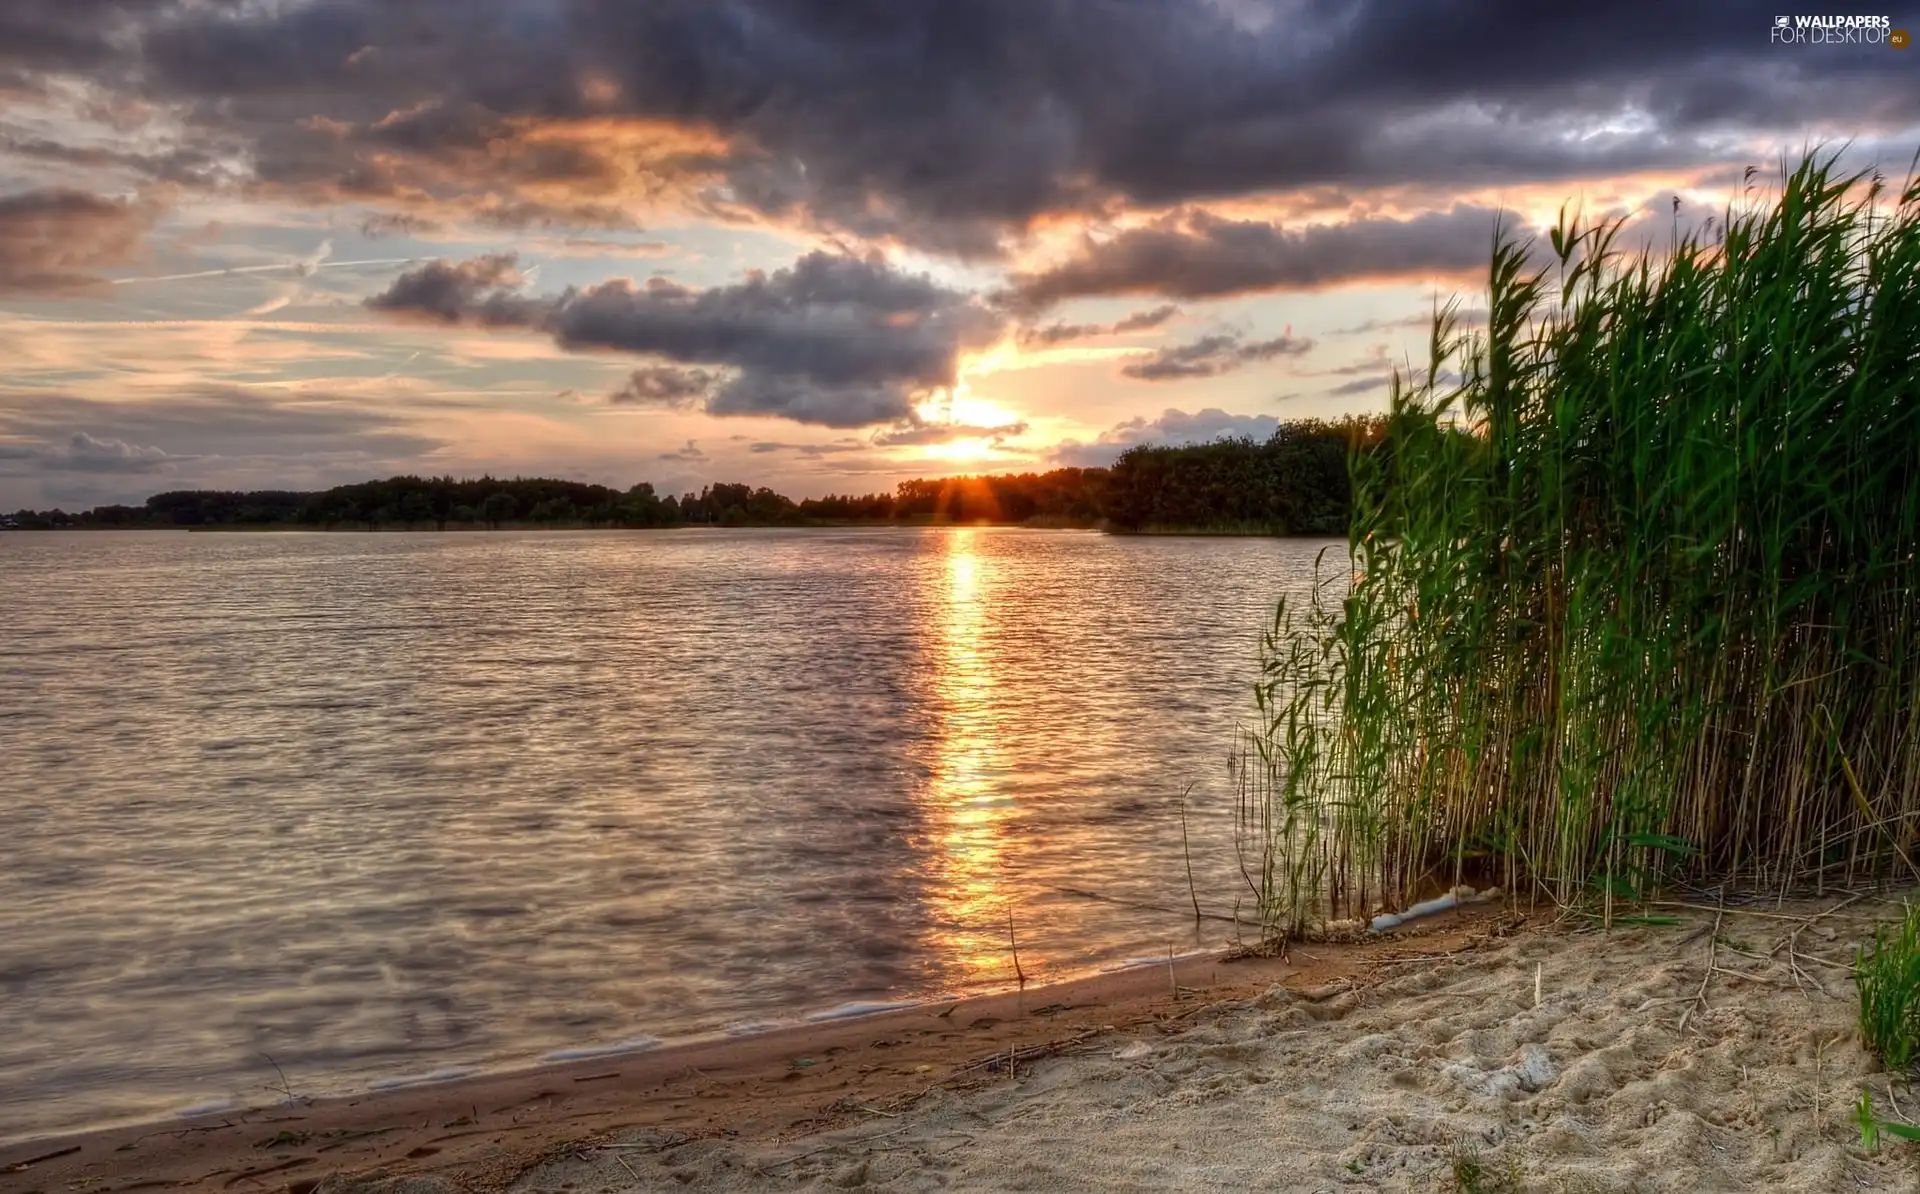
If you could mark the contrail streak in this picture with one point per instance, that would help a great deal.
(301, 266)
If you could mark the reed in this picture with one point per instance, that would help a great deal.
(1629, 591)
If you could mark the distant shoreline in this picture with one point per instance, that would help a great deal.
(1224, 532)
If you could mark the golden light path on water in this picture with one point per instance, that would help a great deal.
(966, 813)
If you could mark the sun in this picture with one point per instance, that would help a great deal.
(961, 408)
(960, 450)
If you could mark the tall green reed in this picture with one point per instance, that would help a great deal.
(1630, 584)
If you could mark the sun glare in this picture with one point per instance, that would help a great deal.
(961, 408)
(960, 450)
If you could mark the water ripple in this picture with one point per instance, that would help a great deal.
(384, 806)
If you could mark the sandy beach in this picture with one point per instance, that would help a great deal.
(1645, 1059)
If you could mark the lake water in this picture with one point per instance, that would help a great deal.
(383, 806)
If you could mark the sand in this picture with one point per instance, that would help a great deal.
(1576, 1061)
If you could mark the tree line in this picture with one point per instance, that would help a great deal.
(1295, 482)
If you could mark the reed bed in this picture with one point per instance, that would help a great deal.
(1630, 588)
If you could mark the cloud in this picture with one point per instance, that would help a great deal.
(1195, 254)
(1465, 317)
(206, 422)
(836, 448)
(691, 454)
(59, 447)
(61, 34)
(945, 127)
(1210, 356)
(833, 340)
(83, 453)
(1361, 385)
(453, 291)
(600, 246)
(1373, 371)
(87, 454)
(397, 223)
(1173, 427)
(666, 386)
(52, 239)
(921, 434)
(1060, 333)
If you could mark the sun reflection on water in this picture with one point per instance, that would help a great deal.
(966, 814)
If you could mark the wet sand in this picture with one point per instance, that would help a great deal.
(483, 1133)
(1720, 1053)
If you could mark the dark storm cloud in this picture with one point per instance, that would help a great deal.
(666, 386)
(67, 34)
(1061, 333)
(51, 240)
(1212, 355)
(833, 340)
(1172, 427)
(949, 123)
(1197, 255)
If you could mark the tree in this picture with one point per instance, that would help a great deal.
(552, 510)
(498, 508)
(441, 501)
(416, 506)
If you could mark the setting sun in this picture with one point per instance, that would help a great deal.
(963, 408)
(960, 450)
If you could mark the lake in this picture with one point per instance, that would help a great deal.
(384, 806)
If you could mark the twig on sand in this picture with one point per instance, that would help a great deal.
(813, 1152)
(1017, 972)
(1737, 911)
(286, 1087)
(997, 1059)
(1713, 950)
(349, 1136)
(1819, 1061)
(1206, 1007)
(1793, 946)
(671, 1142)
(22, 1166)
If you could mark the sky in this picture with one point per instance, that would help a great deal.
(818, 246)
